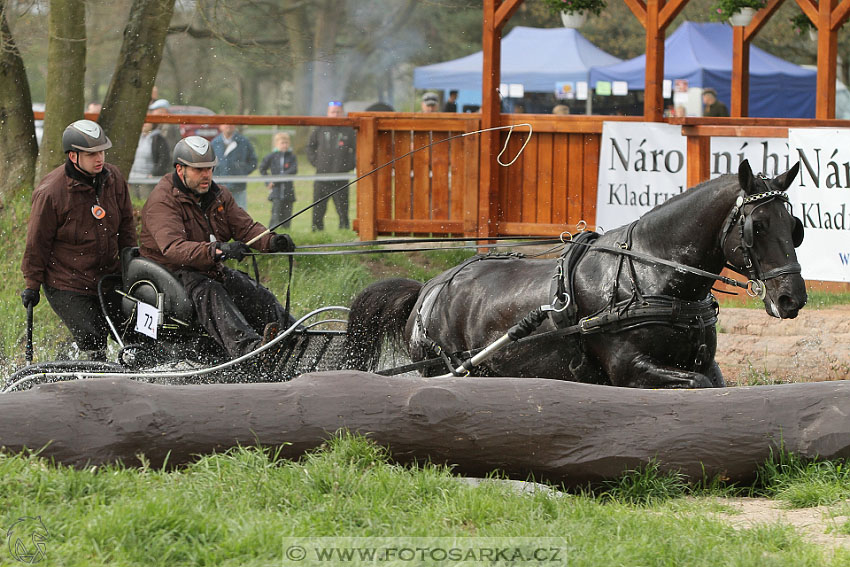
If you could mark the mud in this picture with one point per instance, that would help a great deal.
(755, 348)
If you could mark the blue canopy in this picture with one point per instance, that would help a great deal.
(536, 58)
(702, 54)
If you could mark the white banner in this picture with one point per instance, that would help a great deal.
(820, 196)
(641, 165)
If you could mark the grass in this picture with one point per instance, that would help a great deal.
(238, 508)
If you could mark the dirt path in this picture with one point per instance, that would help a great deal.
(753, 347)
(819, 525)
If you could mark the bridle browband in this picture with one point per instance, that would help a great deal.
(743, 220)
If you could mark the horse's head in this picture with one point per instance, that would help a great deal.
(759, 238)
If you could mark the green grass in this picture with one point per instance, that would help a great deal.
(236, 509)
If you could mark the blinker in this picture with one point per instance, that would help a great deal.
(797, 232)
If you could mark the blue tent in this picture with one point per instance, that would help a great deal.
(702, 54)
(536, 58)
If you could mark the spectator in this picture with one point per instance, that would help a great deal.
(81, 218)
(713, 107)
(282, 161)
(331, 149)
(191, 225)
(430, 101)
(236, 156)
(94, 108)
(451, 103)
(561, 109)
(153, 154)
(154, 95)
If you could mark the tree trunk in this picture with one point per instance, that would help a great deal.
(18, 147)
(66, 68)
(562, 432)
(127, 99)
(329, 19)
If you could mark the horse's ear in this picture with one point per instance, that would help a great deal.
(786, 179)
(745, 177)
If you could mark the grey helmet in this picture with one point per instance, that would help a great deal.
(85, 136)
(194, 151)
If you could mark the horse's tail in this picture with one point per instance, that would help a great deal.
(378, 313)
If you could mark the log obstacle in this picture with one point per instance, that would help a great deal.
(562, 432)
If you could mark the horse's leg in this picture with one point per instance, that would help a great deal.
(715, 375)
(646, 372)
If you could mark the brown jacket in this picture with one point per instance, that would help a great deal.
(67, 247)
(178, 233)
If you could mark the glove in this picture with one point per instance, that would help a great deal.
(233, 250)
(30, 297)
(281, 243)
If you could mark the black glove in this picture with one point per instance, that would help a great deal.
(30, 297)
(281, 243)
(233, 250)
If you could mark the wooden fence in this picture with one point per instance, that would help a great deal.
(547, 182)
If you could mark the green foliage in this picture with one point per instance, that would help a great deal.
(803, 483)
(801, 23)
(721, 10)
(236, 507)
(645, 486)
(571, 6)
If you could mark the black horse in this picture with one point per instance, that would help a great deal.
(639, 298)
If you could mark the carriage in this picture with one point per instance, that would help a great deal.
(161, 341)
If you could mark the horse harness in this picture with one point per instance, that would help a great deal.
(635, 311)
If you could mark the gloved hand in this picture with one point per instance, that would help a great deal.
(233, 250)
(30, 297)
(281, 243)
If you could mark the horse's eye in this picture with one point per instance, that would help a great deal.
(760, 226)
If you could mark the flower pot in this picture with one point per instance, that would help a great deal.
(573, 19)
(742, 17)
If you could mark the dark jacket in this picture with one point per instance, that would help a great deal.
(280, 163)
(67, 247)
(716, 108)
(161, 153)
(177, 232)
(332, 149)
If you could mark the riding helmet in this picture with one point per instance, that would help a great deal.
(194, 151)
(85, 136)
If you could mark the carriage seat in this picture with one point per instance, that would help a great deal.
(144, 279)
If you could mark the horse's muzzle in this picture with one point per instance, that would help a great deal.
(788, 301)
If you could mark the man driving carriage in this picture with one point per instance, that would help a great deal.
(191, 225)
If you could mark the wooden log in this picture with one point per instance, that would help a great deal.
(562, 432)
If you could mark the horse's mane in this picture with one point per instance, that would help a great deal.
(719, 185)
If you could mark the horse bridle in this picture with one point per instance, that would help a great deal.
(744, 221)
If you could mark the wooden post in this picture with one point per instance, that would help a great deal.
(367, 188)
(653, 101)
(827, 60)
(740, 99)
(496, 13)
(699, 157)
